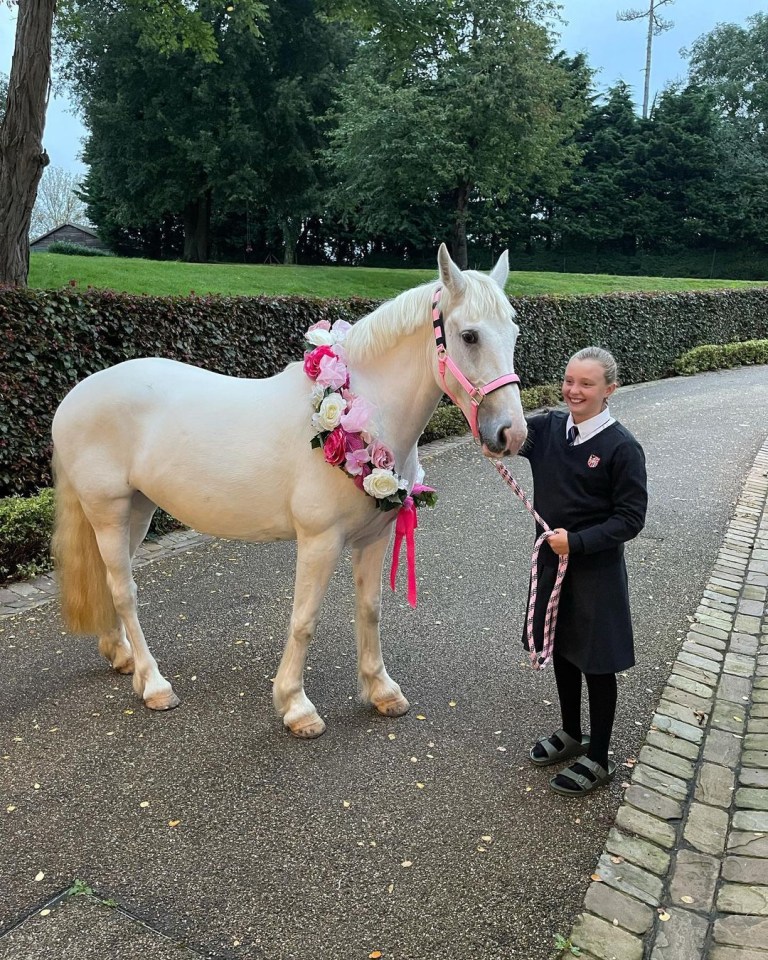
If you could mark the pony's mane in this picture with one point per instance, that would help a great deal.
(380, 330)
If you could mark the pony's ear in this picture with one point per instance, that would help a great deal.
(501, 271)
(449, 272)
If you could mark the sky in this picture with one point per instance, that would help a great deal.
(616, 49)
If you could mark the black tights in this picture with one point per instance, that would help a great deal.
(602, 691)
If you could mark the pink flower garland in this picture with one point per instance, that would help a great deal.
(341, 423)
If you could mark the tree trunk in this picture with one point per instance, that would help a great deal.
(459, 244)
(22, 158)
(197, 219)
(290, 227)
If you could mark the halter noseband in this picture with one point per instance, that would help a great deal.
(475, 394)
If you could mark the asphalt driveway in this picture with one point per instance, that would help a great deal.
(415, 837)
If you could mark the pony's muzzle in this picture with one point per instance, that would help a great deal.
(505, 442)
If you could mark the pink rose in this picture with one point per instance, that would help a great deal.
(381, 456)
(357, 414)
(341, 328)
(320, 325)
(333, 372)
(334, 448)
(312, 361)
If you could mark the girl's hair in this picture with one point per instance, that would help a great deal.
(604, 358)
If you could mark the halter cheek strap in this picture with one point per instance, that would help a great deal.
(475, 394)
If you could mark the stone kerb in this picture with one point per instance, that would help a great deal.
(684, 874)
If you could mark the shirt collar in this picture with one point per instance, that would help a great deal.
(588, 427)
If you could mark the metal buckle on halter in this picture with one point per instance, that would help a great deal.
(476, 395)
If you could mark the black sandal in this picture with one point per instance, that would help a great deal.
(571, 748)
(584, 784)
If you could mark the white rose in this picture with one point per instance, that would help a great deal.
(318, 395)
(319, 338)
(381, 483)
(331, 409)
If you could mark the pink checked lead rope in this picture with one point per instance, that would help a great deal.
(538, 660)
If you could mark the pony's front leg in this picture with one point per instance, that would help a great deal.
(374, 683)
(316, 560)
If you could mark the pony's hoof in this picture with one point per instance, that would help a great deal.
(394, 707)
(162, 701)
(308, 728)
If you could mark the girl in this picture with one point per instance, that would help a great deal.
(590, 487)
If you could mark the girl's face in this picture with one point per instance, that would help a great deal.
(585, 389)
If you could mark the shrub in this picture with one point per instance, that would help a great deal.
(25, 535)
(721, 356)
(77, 249)
(26, 526)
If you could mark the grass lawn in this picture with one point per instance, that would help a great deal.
(50, 271)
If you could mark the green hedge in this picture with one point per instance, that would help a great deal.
(54, 338)
(720, 356)
(70, 249)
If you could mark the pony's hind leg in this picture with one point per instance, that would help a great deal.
(374, 683)
(113, 527)
(315, 563)
(113, 644)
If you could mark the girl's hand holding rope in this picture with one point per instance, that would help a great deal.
(558, 540)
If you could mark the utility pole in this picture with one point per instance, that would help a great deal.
(656, 25)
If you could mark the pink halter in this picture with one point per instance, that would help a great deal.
(476, 394)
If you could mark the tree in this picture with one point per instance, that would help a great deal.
(164, 25)
(22, 157)
(729, 62)
(598, 208)
(680, 204)
(466, 110)
(656, 25)
(57, 201)
(176, 139)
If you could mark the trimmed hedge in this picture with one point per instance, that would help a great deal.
(70, 249)
(54, 338)
(721, 356)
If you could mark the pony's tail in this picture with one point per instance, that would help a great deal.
(86, 602)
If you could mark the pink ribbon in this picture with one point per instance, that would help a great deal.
(405, 526)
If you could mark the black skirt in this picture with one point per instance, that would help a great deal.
(594, 625)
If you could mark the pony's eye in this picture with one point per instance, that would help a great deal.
(469, 336)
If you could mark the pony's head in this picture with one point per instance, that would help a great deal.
(480, 335)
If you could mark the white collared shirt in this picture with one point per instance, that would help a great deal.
(590, 428)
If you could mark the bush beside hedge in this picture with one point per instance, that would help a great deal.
(55, 338)
(722, 355)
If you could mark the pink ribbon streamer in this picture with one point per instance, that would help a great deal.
(405, 526)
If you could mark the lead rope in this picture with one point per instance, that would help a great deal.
(538, 660)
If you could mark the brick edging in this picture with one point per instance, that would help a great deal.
(684, 873)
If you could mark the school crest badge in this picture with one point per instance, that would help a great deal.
(593, 461)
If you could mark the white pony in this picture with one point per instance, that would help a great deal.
(232, 457)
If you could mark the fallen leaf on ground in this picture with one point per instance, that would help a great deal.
(174, 823)
(596, 877)
(374, 955)
(407, 863)
(39, 877)
(687, 899)
(144, 803)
